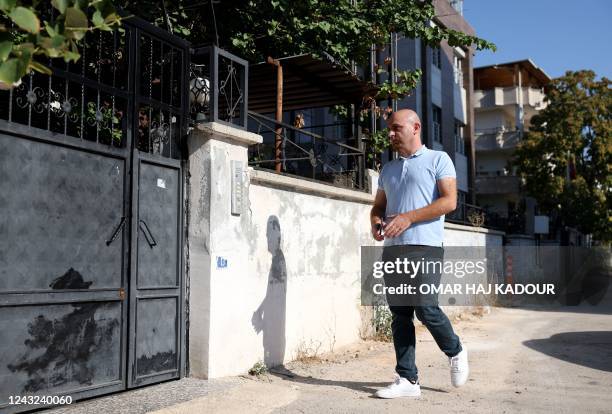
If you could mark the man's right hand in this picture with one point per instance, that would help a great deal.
(376, 231)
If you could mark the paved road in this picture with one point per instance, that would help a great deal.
(521, 361)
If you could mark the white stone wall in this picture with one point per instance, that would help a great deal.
(320, 241)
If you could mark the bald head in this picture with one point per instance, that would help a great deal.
(404, 116)
(405, 131)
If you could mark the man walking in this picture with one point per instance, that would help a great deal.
(415, 191)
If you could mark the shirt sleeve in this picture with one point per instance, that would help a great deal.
(445, 167)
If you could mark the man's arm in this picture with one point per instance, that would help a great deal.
(447, 202)
(377, 213)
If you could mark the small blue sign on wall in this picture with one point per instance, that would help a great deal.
(221, 262)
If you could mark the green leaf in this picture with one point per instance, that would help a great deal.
(25, 19)
(7, 5)
(68, 56)
(75, 34)
(5, 50)
(112, 19)
(60, 5)
(39, 67)
(325, 26)
(57, 41)
(75, 19)
(97, 18)
(51, 31)
(12, 70)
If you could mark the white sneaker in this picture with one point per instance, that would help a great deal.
(401, 387)
(459, 368)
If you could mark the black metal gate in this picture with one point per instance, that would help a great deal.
(91, 280)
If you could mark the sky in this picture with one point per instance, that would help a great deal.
(557, 35)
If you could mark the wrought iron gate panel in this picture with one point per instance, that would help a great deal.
(48, 227)
(157, 343)
(63, 324)
(158, 198)
(85, 154)
(156, 296)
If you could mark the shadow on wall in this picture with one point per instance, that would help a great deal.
(271, 314)
(590, 349)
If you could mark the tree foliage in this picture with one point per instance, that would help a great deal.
(33, 31)
(566, 157)
(346, 29)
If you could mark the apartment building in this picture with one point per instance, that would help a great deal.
(506, 97)
(442, 98)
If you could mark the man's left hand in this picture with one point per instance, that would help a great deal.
(397, 225)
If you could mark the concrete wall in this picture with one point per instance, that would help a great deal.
(282, 279)
(315, 246)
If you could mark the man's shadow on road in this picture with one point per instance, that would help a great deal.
(367, 387)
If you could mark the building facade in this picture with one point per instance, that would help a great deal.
(506, 97)
(443, 96)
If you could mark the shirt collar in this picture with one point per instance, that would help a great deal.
(416, 154)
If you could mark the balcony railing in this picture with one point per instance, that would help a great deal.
(509, 96)
(476, 216)
(496, 138)
(218, 87)
(467, 214)
(306, 154)
(514, 223)
(508, 184)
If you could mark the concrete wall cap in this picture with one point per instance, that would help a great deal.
(472, 229)
(309, 187)
(229, 132)
(521, 236)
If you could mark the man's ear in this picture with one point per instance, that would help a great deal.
(417, 127)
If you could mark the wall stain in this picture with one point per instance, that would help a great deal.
(68, 342)
(162, 361)
(70, 280)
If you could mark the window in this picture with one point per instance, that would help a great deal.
(437, 124)
(436, 57)
(459, 142)
(458, 70)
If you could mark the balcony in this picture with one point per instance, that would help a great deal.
(491, 98)
(460, 99)
(502, 184)
(496, 139)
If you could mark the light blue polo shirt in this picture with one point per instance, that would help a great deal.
(410, 183)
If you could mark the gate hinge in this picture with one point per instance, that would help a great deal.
(122, 293)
